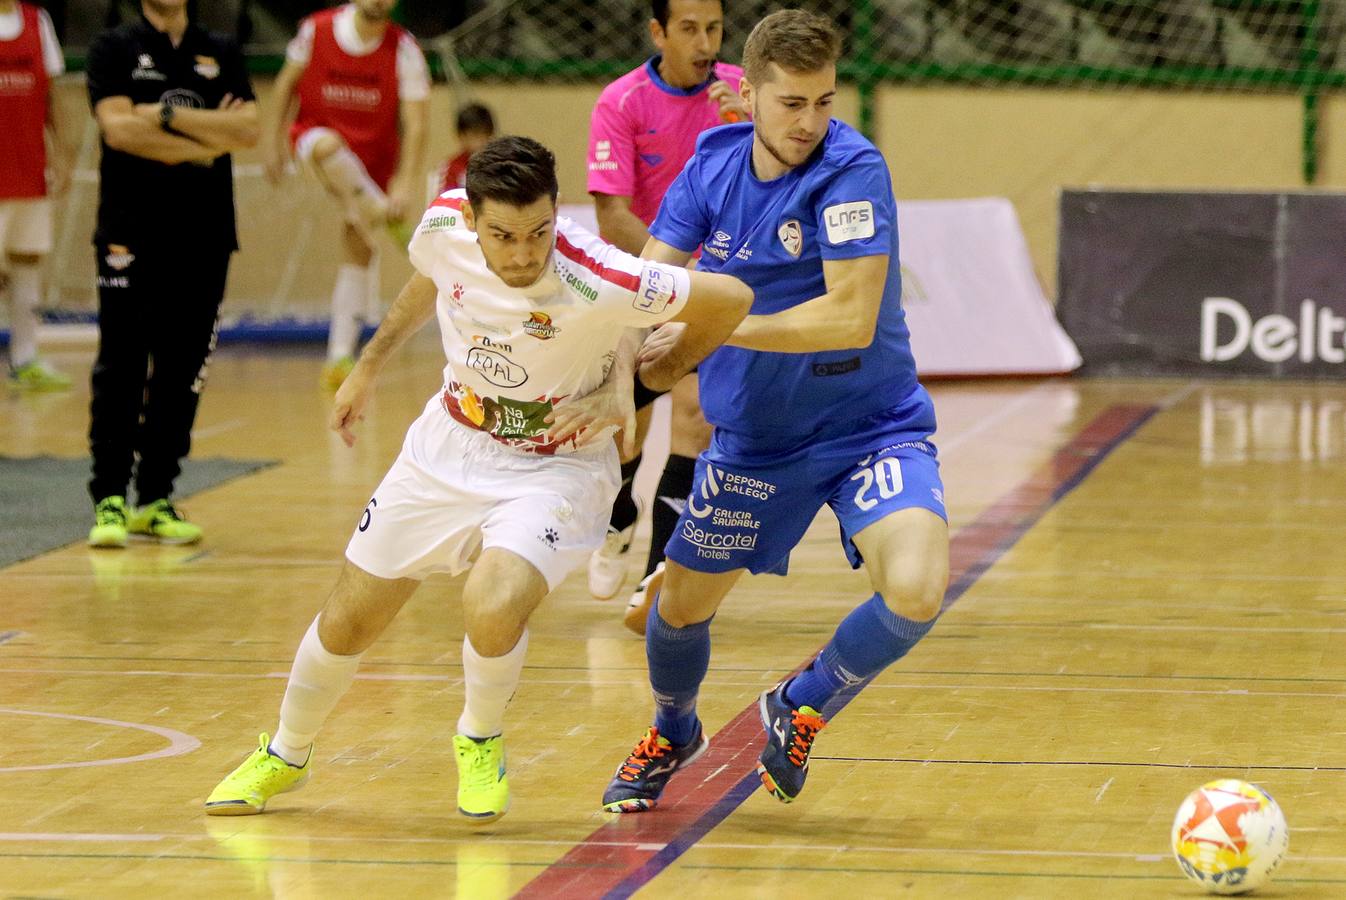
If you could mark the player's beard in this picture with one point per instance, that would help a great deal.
(517, 280)
(377, 17)
(775, 151)
(165, 10)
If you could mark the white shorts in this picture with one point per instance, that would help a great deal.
(453, 491)
(25, 227)
(303, 156)
(303, 145)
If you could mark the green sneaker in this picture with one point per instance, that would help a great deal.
(162, 522)
(263, 775)
(109, 523)
(335, 372)
(38, 376)
(483, 787)
(402, 231)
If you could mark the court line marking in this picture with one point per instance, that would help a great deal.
(7, 636)
(494, 840)
(178, 743)
(691, 808)
(1242, 693)
(475, 863)
(449, 664)
(1224, 767)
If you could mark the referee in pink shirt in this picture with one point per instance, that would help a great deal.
(643, 130)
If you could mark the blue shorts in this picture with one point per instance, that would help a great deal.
(748, 511)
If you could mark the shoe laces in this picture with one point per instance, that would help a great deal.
(108, 513)
(480, 771)
(267, 766)
(647, 751)
(806, 728)
(166, 510)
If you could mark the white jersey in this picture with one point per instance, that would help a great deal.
(513, 352)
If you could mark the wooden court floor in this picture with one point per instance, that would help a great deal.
(1150, 593)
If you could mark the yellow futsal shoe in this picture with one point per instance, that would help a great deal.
(263, 775)
(38, 376)
(483, 788)
(162, 522)
(335, 371)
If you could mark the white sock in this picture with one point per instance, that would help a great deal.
(489, 682)
(317, 681)
(362, 197)
(25, 291)
(374, 286)
(348, 303)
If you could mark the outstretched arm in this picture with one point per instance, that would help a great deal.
(841, 319)
(414, 306)
(715, 307)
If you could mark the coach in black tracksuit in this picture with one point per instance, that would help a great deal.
(171, 102)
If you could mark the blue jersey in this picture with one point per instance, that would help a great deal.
(774, 235)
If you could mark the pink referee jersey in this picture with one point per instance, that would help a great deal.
(644, 130)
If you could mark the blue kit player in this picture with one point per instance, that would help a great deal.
(814, 400)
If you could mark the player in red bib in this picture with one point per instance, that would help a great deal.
(29, 58)
(351, 104)
(475, 126)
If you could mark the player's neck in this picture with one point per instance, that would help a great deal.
(765, 165)
(171, 22)
(664, 75)
(369, 29)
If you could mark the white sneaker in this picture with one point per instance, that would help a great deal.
(638, 607)
(607, 565)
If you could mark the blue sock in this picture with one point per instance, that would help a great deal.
(866, 642)
(678, 659)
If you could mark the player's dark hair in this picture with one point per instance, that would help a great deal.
(659, 9)
(511, 169)
(475, 117)
(793, 39)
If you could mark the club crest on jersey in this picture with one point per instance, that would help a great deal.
(538, 324)
(791, 237)
(119, 257)
(207, 67)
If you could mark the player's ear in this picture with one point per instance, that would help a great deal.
(745, 92)
(656, 33)
(469, 216)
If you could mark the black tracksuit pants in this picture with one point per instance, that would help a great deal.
(158, 308)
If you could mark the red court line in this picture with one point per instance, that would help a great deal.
(627, 852)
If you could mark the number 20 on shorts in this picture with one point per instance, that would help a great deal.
(885, 475)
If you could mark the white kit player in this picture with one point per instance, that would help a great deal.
(509, 471)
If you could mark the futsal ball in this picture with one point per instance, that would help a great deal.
(1229, 836)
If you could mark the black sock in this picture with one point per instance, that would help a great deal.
(669, 499)
(624, 510)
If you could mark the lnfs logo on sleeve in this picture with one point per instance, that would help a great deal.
(849, 221)
(657, 290)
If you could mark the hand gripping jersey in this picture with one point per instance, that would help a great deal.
(513, 352)
(774, 235)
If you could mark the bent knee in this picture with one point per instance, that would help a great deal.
(919, 600)
(344, 634)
